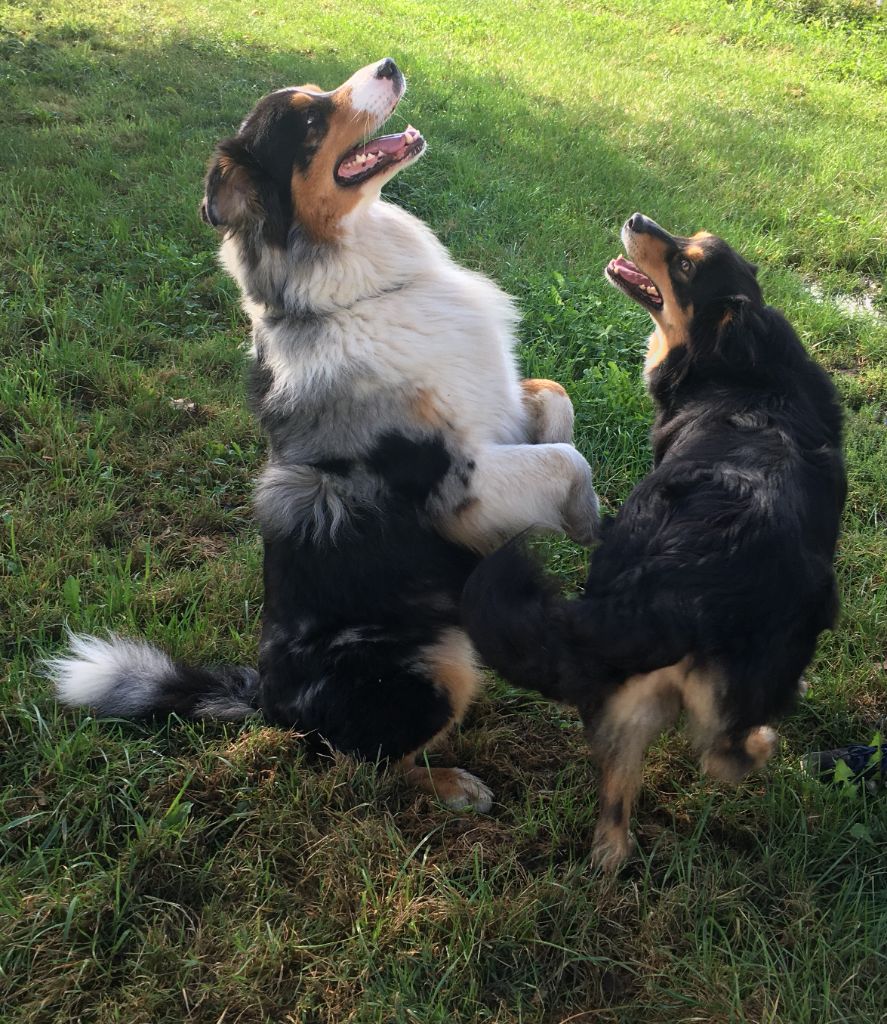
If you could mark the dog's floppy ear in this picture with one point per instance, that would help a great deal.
(728, 330)
(734, 312)
(232, 196)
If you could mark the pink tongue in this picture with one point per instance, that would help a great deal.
(629, 272)
(388, 144)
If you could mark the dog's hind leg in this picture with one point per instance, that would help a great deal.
(367, 695)
(619, 734)
(550, 412)
(452, 665)
(725, 754)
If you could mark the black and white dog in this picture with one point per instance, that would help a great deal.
(713, 582)
(402, 445)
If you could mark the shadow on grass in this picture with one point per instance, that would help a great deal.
(505, 168)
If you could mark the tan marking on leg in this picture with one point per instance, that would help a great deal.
(699, 691)
(631, 719)
(535, 385)
(452, 663)
(730, 761)
(723, 757)
(760, 745)
(550, 411)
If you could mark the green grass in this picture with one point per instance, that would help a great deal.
(204, 873)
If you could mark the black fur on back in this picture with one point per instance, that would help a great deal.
(723, 552)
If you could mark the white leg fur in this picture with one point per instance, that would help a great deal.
(526, 487)
(549, 412)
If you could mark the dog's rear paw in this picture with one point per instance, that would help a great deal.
(462, 790)
(730, 760)
(455, 787)
(611, 848)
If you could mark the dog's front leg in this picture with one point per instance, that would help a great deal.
(549, 412)
(512, 488)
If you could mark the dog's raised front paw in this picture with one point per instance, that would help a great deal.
(582, 511)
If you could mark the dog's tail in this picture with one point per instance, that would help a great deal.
(517, 620)
(131, 679)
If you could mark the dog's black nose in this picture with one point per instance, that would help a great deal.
(387, 69)
(636, 222)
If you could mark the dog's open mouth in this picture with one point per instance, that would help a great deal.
(625, 275)
(377, 155)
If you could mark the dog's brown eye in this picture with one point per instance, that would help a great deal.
(686, 266)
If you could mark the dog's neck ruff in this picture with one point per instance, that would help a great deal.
(274, 316)
(322, 313)
(380, 251)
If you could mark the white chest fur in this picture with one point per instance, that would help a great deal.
(398, 311)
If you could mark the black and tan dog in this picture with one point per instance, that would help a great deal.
(715, 579)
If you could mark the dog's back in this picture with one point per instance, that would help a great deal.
(725, 550)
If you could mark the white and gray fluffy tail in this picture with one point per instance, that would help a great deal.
(131, 679)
